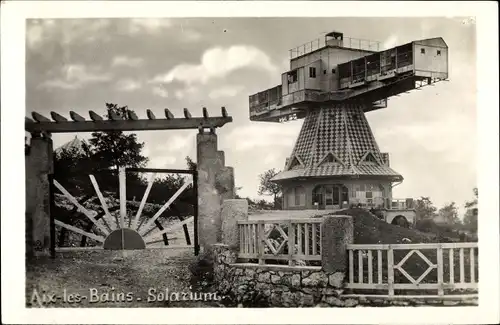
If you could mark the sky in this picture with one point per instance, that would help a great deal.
(152, 63)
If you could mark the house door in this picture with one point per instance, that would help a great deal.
(332, 197)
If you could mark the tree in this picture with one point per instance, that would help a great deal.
(113, 149)
(191, 164)
(266, 187)
(470, 217)
(449, 213)
(424, 208)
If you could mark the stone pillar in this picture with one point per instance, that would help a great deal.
(221, 156)
(337, 233)
(232, 211)
(38, 164)
(209, 203)
(225, 183)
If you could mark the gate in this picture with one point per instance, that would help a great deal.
(114, 220)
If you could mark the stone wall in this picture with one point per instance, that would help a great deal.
(253, 285)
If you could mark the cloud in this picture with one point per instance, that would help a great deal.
(127, 61)
(162, 161)
(189, 35)
(128, 85)
(216, 63)
(182, 93)
(160, 91)
(264, 135)
(75, 76)
(149, 25)
(225, 91)
(65, 31)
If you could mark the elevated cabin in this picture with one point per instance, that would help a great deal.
(346, 69)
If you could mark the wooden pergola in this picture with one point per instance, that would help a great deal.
(59, 124)
(39, 165)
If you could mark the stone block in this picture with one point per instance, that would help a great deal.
(233, 211)
(336, 280)
(337, 233)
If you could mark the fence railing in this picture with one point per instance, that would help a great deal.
(391, 270)
(291, 240)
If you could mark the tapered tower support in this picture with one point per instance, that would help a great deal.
(335, 158)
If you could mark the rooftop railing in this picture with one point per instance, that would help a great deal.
(347, 42)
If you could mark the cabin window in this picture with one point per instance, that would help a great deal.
(438, 52)
(292, 77)
(312, 72)
(422, 51)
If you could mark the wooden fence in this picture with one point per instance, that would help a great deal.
(291, 240)
(390, 270)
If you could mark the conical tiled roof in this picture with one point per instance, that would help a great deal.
(73, 143)
(337, 141)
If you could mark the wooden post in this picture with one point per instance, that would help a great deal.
(390, 270)
(440, 270)
(260, 241)
(291, 243)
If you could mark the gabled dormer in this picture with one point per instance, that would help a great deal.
(295, 162)
(369, 158)
(330, 159)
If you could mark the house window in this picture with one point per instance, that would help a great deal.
(438, 52)
(312, 72)
(333, 70)
(422, 51)
(324, 71)
(292, 77)
(299, 196)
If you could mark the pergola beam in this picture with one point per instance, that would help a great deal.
(127, 125)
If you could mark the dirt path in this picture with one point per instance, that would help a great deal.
(101, 275)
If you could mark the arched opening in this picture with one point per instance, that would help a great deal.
(400, 221)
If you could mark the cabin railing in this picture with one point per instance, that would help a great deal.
(440, 270)
(295, 241)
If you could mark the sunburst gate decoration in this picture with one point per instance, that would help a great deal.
(124, 235)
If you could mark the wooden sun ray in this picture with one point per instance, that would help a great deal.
(102, 200)
(123, 196)
(143, 202)
(205, 112)
(223, 111)
(178, 226)
(187, 114)
(79, 231)
(80, 207)
(165, 206)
